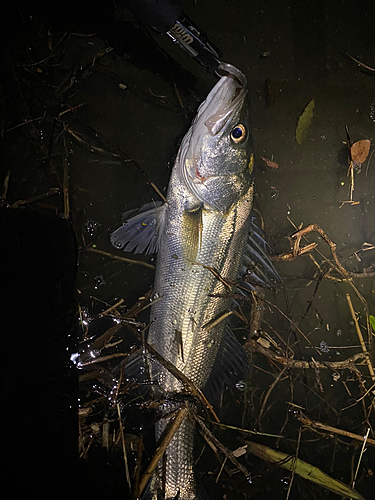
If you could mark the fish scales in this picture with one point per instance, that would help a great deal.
(191, 294)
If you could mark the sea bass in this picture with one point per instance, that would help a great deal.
(201, 236)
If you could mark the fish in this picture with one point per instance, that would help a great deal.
(205, 246)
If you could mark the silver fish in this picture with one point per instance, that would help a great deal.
(200, 235)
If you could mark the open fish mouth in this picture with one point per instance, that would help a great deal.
(226, 69)
(224, 99)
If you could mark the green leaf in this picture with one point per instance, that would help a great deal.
(304, 122)
(372, 321)
(303, 469)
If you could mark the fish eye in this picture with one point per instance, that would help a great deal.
(238, 133)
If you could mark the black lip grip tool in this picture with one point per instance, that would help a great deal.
(166, 16)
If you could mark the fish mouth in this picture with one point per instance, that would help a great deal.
(225, 98)
(226, 69)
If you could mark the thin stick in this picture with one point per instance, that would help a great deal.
(66, 189)
(295, 457)
(123, 447)
(221, 470)
(207, 433)
(360, 457)
(33, 199)
(359, 62)
(112, 307)
(334, 430)
(117, 257)
(5, 187)
(277, 379)
(359, 333)
(181, 414)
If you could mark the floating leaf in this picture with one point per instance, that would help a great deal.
(360, 150)
(372, 321)
(304, 122)
(303, 469)
(270, 163)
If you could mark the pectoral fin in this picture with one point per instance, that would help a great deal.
(142, 232)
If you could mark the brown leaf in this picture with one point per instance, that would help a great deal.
(360, 150)
(270, 163)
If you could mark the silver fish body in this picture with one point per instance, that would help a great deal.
(200, 234)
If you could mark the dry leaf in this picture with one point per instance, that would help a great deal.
(360, 150)
(270, 163)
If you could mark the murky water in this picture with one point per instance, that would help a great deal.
(131, 108)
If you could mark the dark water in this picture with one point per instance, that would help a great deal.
(135, 103)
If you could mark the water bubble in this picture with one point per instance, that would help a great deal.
(241, 385)
(99, 281)
(339, 332)
(91, 226)
(285, 481)
(274, 193)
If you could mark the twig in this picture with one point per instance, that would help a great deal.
(207, 433)
(119, 152)
(348, 363)
(32, 199)
(290, 321)
(314, 227)
(359, 62)
(277, 379)
(295, 457)
(117, 257)
(359, 333)
(124, 447)
(360, 399)
(118, 303)
(334, 430)
(181, 414)
(66, 188)
(360, 457)
(5, 188)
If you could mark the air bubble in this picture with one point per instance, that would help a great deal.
(241, 385)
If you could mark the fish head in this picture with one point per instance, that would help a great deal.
(216, 156)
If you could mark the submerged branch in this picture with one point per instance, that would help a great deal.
(296, 251)
(348, 363)
(334, 430)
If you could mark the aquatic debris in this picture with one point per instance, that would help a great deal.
(359, 152)
(323, 346)
(303, 469)
(270, 163)
(372, 321)
(304, 122)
